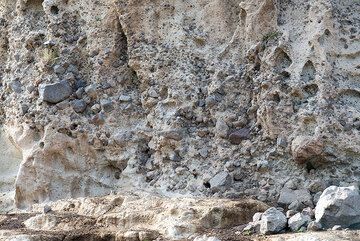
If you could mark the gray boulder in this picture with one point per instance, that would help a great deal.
(55, 93)
(299, 220)
(339, 206)
(301, 196)
(272, 221)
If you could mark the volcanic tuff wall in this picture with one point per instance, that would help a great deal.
(227, 98)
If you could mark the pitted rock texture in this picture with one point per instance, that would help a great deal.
(168, 95)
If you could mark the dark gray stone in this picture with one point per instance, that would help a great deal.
(106, 105)
(16, 86)
(302, 196)
(98, 119)
(211, 101)
(55, 93)
(24, 109)
(79, 106)
(79, 93)
(317, 197)
(47, 209)
(238, 136)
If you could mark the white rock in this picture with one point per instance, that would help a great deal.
(41, 222)
(338, 206)
(257, 217)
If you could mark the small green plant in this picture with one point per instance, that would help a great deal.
(271, 36)
(300, 230)
(199, 41)
(247, 233)
(50, 55)
(97, 18)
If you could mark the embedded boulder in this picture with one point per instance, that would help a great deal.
(307, 149)
(55, 93)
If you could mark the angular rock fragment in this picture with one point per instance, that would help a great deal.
(79, 106)
(314, 226)
(238, 136)
(55, 93)
(252, 227)
(221, 128)
(106, 105)
(307, 149)
(339, 206)
(290, 213)
(220, 180)
(91, 90)
(58, 69)
(124, 98)
(302, 196)
(298, 220)
(272, 221)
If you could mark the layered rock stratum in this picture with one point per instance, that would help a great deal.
(236, 99)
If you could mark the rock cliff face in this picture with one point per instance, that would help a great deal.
(217, 98)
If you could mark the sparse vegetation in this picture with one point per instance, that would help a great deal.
(50, 55)
(271, 36)
(247, 233)
(199, 41)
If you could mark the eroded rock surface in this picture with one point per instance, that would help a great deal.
(129, 218)
(262, 90)
(230, 99)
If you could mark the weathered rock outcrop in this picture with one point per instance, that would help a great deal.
(237, 98)
(126, 218)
